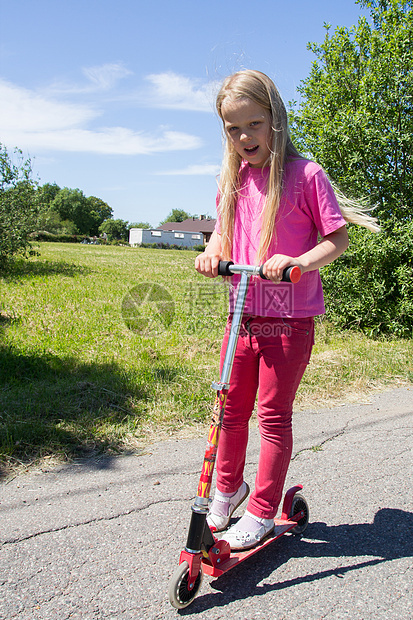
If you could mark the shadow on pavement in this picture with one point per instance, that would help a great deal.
(387, 538)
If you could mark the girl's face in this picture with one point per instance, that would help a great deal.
(248, 127)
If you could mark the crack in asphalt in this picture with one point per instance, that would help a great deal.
(317, 447)
(69, 526)
(150, 504)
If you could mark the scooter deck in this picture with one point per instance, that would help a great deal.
(281, 527)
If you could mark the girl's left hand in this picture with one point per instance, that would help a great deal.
(273, 268)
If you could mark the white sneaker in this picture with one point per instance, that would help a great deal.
(240, 539)
(223, 507)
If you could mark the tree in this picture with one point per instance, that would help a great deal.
(71, 205)
(139, 225)
(356, 119)
(86, 214)
(176, 215)
(68, 211)
(356, 111)
(48, 219)
(100, 211)
(51, 222)
(115, 229)
(18, 205)
(47, 193)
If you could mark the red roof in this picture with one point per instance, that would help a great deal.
(193, 224)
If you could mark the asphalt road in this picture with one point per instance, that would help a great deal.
(100, 540)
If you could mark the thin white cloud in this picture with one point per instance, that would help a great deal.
(106, 76)
(25, 110)
(39, 123)
(108, 141)
(194, 170)
(99, 78)
(172, 91)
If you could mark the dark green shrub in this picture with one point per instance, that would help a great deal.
(43, 235)
(19, 206)
(173, 246)
(370, 287)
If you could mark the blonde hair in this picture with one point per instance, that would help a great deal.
(260, 89)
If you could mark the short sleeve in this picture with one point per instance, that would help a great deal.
(322, 203)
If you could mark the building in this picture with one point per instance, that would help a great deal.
(189, 233)
(200, 224)
(185, 238)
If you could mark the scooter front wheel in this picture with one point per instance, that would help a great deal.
(180, 596)
(300, 504)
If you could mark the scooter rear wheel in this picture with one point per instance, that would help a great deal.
(180, 596)
(299, 503)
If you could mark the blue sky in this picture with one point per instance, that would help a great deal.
(117, 98)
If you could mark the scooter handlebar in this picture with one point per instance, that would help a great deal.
(223, 268)
(290, 274)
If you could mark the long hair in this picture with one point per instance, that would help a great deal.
(260, 89)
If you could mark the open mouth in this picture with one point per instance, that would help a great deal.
(252, 149)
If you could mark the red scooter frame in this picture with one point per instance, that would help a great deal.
(204, 553)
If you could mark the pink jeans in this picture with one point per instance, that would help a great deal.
(271, 357)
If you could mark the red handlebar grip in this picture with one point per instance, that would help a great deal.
(290, 274)
(295, 274)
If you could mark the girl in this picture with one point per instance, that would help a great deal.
(273, 206)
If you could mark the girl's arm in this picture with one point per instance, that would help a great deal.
(207, 262)
(325, 252)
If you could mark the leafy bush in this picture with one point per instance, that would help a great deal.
(199, 248)
(371, 285)
(18, 205)
(44, 235)
(116, 230)
(173, 246)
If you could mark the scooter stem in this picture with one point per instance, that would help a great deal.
(235, 327)
(201, 501)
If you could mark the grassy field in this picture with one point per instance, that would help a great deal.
(106, 348)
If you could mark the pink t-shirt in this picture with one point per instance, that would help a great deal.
(308, 208)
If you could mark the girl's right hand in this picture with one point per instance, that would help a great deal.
(207, 264)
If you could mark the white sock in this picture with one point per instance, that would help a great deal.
(251, 523)
(221, 494)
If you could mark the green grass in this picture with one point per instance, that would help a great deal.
(88, 363)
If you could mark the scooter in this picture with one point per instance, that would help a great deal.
(204, 553)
